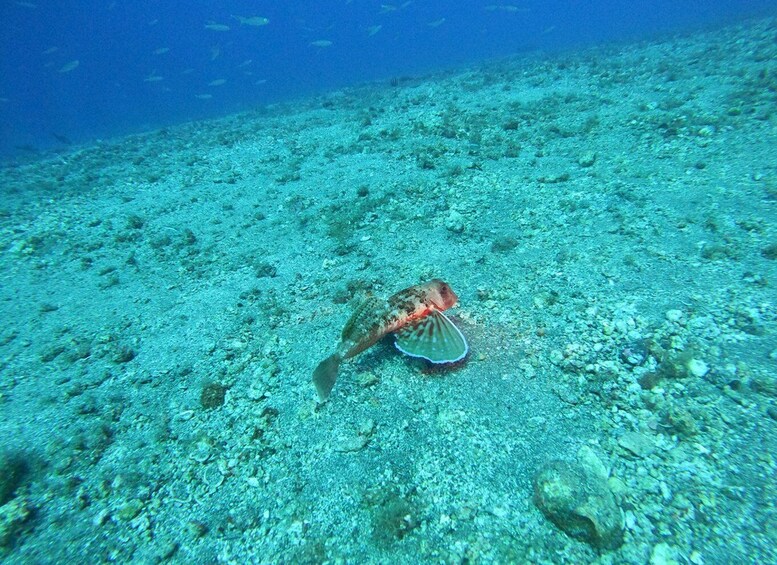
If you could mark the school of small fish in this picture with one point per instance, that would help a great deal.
(256, 21)
(231, 24)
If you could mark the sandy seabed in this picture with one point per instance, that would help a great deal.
(609, 221)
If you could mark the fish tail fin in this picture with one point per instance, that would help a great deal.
(325, 375)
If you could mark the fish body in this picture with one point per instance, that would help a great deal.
(215, 26)
(67, 67)
(414, 315)
(255, 21)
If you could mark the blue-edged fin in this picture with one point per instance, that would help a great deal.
(434, 338)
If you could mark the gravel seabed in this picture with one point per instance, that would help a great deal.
(608, 220)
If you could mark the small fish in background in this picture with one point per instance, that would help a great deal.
(153, 77)
(321, 43)
(215, 52)
(29, 5)
(217, 82)
(70, 66)
(245, 63)
(255, 21)
(414, 315)
(203, 96)
(50, 50)
(436, 23)
(61, 138)
(153, 22)
(215, 26)
(386, 8)
(161, 50)
(372, 30)
(508, 8)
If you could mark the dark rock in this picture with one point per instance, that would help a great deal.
(13, 469)
(213, 395)
(580, 505)
(649, 380)
(634, 353)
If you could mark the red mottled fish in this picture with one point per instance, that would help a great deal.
(415, 315)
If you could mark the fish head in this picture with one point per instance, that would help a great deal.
(441, 294)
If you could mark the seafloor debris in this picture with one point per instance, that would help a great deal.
(580, 503)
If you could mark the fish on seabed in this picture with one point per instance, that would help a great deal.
(414, 315)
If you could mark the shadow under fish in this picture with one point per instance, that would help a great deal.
(414, 315)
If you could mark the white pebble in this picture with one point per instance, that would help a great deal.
(698, 368)
(674, 315)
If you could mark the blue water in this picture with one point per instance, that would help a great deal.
(606, 217)
(109, 93)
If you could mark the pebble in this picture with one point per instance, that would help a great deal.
(167, 550)
(664, 554)
(359, 442)
(367, 379)
(101, 517)
(622, 325)
(617, 486)
(455, 222)
(634, 353)
(637, 443)
(257, 393)
(526, 368)
(587, 159)
(196, 528)
(367, 427)
(130, 510)
(592, 464)
(696, 558)
(698, 368)
(674, 315)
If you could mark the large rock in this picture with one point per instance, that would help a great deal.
(580, 503)
(13, 469)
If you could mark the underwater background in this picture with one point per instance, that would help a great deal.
(150, 63)
(197, 198)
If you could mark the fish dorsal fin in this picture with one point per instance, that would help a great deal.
(363, 317)
(434, 338)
